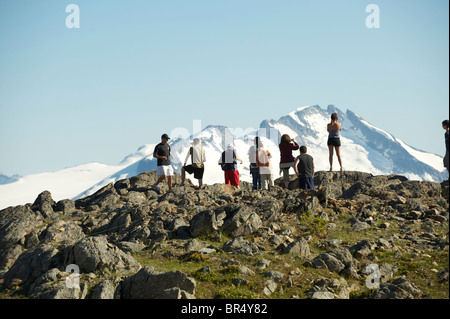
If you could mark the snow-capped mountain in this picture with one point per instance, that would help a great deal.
(8, 179)
(364, 148)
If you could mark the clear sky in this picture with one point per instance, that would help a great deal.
(136, 69)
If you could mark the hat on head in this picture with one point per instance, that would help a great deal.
(230, 146)
(165, 136)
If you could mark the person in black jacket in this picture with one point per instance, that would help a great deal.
(445, 126)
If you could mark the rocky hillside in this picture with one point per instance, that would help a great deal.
(126, 241)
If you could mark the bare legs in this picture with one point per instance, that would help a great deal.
(338, 154)
(169, 180)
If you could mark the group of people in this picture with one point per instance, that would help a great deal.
(260, 161)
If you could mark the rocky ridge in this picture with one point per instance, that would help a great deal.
(127, 241)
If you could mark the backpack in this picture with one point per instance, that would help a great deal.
(229, 166)
(196, 165)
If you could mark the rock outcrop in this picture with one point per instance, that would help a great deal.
(120, 236)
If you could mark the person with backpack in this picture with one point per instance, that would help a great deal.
(265, 167)
(445, 126)
(334, 140)
(287, 146)
(254, 169)
(197, 167)
(228, 162)
(304, 169)
(162, 154)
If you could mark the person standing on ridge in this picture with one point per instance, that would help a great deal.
(162, 154)
(334, 140)
(287, 145)
(254, 169)
(197, 154)
(304, 169)
(445, 126)
(228, 162)
(265, 168)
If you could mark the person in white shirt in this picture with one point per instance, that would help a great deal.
(197, 167)
(265, 166)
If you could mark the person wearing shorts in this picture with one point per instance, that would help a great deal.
(197, 154)
(334, 140)
(164, 168)
(231, 173)
(446, 127)
(304, 169)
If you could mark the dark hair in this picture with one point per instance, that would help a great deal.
(285, 139)
(303, 149)
(334, 117)
(445, 123)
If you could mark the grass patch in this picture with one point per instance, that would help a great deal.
(235, 293)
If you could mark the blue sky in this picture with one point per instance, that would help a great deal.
(136, 69)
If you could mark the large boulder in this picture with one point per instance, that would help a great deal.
(15, 224)
(44, 203)
(149, 283)
(95, 253)
(397, 289)
(335, 260)
(31, 265)
(204, 223)
(105, 198)
(241, 222)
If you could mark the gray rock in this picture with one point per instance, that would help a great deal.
(193, 245)
(276, 240)
(329, 262)
(104, 290)
(263, 264)
(335, 260)
(62, 232)
(359, 225)
(105, 198)
(398, 289)
(44, 204)
(95, 253)
(240, 246)
(299, 248)
(9, 255)
(274, 275)
(65, 206)
(269, 287)
(203, 223)
(32, 264)
(130, 247)
(174, 293)
(322, 295)
(52, 285)
(242, 222)
(149, 283)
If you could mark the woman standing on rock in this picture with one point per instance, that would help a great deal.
(334, 140)
(287, 145)
(445, 126)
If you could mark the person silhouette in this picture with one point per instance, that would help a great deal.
(334, 140)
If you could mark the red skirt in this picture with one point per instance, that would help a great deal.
(232, 177)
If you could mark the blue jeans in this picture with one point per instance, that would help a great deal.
(254, 171)
(306, 182)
